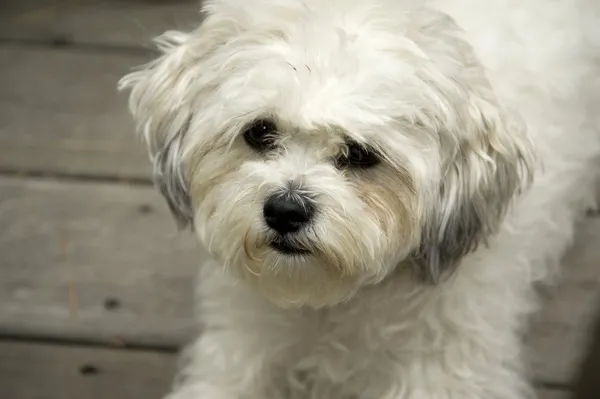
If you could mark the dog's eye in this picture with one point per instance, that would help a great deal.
(260, 134)
(358, 156)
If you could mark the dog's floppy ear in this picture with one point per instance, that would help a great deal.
(488, 161)
(161, 101)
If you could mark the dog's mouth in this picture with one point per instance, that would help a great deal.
(285, 247)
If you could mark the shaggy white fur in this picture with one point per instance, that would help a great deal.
(398, 135)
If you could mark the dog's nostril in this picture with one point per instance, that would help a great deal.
(286, 213)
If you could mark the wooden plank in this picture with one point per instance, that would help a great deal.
(60, 112)
(69, 250)
(93, 262)
(39, 371)
(558, 338)
(103, 22)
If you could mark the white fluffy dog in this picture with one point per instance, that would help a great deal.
(360, 171)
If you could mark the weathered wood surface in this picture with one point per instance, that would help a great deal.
(94, 22)
(41, 371)
(60, 112)
(93, 262)
(71, 249)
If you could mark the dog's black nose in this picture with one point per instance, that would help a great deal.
(287, 213)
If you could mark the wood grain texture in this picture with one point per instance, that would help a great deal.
(93, 262)
(60, 112)
(40, 371)
(130, 23)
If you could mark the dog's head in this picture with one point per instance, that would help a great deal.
(315, 149)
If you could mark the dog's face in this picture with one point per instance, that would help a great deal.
(316, 150)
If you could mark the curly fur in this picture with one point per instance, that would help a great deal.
(421, 269)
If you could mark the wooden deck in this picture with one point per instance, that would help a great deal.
(95, 292)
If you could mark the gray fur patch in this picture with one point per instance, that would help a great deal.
(171, 181)
(454, 232)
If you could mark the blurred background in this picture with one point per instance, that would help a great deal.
(95, 280)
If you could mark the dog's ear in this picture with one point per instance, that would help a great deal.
(485, 152)
(161, 99)
(488, 160)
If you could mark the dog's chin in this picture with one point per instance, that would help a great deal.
(290, 273)
(285, 247)
(293, 270)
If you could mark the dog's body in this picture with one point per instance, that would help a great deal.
(295, 327)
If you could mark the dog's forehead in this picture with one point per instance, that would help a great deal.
(323, 76)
